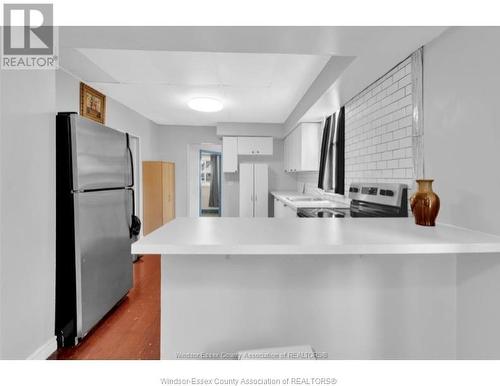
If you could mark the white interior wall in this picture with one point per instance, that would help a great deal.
(461, 141)
(171, 144)
(27, 221)
(118, 116)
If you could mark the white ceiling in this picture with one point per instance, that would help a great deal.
(155, 70)
(254, 87)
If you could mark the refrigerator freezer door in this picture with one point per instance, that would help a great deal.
(101, 159)
(103, 258)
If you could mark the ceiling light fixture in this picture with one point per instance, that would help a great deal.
(206, 105)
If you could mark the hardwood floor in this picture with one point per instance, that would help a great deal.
(132, 329)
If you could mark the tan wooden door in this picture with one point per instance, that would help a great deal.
(169, 191)
(152, 195)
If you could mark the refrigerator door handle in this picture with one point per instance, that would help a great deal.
(135, 223)
(131, 162)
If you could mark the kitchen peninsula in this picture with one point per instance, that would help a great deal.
(365, 288)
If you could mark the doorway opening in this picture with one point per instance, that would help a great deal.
(210, 183)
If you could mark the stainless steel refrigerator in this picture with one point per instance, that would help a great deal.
(95, 223)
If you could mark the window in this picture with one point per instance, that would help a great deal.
(332, 161)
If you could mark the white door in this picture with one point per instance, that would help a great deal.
(246, 190)
(261, 190)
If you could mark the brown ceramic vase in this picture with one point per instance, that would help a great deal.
(425, 204)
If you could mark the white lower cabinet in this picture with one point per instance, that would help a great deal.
(281, 210)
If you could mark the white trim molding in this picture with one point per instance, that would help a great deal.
(45, 350)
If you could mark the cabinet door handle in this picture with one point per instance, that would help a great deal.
(255, 198)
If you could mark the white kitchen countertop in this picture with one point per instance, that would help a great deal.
(303, 236)
(283, 197)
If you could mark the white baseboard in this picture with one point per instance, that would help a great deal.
(45, 350)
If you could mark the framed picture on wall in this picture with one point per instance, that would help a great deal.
(92, 103)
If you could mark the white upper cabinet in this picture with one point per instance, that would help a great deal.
(302, 148)
(229, 154)
(255, 145)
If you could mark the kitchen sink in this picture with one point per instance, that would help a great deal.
(303, 199)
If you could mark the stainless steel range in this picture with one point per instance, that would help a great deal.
(368, 200)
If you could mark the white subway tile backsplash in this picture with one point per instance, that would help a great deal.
(387, 173)
(379, 128)
(392, 164)
(386, 137)
(400, 153)
(406, 121)
(399, 133)
(405, 81)
(393, 145)
(387, 155)
(405, 163)
(405, 142)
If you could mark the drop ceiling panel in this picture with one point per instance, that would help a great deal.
(176, 68)
(252, 87)
(241, 70)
